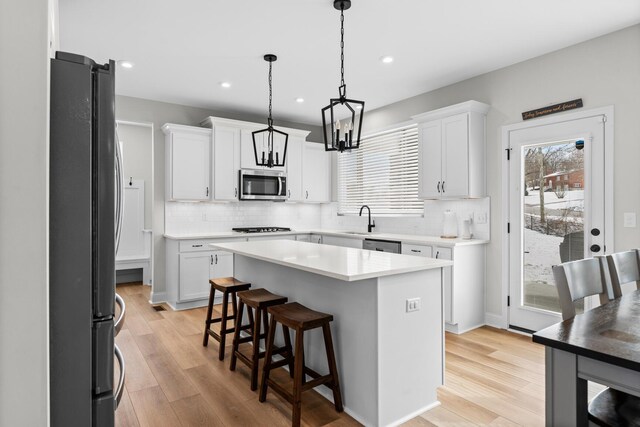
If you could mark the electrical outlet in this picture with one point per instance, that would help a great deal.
(480, 217)
(630, 220)
(413, 304)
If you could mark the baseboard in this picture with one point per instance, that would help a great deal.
(415, 414)
(494, 320)
(328, 394)
(158, 297)
(455, 329)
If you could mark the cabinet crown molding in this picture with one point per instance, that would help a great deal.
(463, 107)
(211, 121)
(171, 127)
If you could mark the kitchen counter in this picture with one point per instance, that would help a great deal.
(406, 238)
(388, 319)
(348, 264)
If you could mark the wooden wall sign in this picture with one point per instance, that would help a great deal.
(552, 109)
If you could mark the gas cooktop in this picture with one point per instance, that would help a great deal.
(260, 229)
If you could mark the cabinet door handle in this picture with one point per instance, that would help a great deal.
(438, 186)
(443, 186)
(416, 250)
(289, 193)
(207, 191)
(306, 194)
(216, 259)
(437, 254)
(235, 193)
(211, 259)
(196, 246)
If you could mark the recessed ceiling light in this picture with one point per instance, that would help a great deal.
(225, 85)
(386, 59)
(299, 100)
(125, 64)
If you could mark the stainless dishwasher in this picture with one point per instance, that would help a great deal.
(381, 245)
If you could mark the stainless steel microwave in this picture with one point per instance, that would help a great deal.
(263, 185)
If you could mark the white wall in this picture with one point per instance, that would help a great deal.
(26, 36)
(602, 71)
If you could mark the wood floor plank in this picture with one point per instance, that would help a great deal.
(497, 375)
(465, 408)
(137, 324)
(171, 378)
(181, 322)
(442, 417)
(176, 344)
(138, 376)
(503, 422)
(153, 409)
(194, 411)
(125, 414)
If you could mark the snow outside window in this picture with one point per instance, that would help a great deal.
(382, 173)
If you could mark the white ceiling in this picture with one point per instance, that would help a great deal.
(182, 50)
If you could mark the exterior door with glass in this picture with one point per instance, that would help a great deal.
(557, 210)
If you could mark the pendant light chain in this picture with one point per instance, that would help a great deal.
(270, 95)
(342, 46)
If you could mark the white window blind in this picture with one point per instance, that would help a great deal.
(382, 173)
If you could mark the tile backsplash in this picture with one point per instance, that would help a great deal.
(202, 218)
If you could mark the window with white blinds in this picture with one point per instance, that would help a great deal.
(382, 173)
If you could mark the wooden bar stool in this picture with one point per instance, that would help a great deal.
(257, 300)
(301, 319)
(228, 286)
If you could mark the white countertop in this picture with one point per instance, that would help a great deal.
(406, 238)
(348, 264)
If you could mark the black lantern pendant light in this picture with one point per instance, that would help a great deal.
(271, 157)
(345, 135)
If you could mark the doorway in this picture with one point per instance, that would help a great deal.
(559, 207)
(134, 258)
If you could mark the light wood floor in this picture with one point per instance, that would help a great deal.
(493, 377)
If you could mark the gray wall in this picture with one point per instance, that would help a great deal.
(602, 71)
(138, 161)
(25, 36)
(159, 113)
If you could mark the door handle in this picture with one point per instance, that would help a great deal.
(120, 320)
(594, 248)
(120, 388)
(280, 186)
(211, 259)
(216, 259)
(306, 194)
(235, 192)
(289, 193)
(437, 254)
(595, 232)
(443, 186)
(438, 186)
(416, 250)
(207, 191)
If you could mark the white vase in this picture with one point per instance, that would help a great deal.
(450, 225)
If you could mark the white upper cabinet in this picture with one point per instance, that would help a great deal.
(294, 169)
(316, 173)
(188, 159)
(226, 162)
(452, 151)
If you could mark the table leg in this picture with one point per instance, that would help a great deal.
(566, 394)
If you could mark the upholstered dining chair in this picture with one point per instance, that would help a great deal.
(594, 276)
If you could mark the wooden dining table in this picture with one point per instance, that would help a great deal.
(601, 345)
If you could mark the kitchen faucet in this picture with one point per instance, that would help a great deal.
(370, 225)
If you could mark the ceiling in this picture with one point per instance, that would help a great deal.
(183, 50)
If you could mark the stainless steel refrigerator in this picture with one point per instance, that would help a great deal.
(83, 222)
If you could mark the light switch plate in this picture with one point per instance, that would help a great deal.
(630, 220)
(413, 304)
(480, 218)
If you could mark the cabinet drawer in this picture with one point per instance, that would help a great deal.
(203, 245)
(417, 250)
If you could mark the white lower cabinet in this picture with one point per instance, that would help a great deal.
(463, 283)
(303, 237)
(342, 241)
(316, 238)
(190, 264)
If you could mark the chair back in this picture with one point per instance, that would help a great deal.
(578, 279)
(623, 268)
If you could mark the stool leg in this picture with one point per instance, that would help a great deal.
(207, 321)
(333, 370)
(223, 324)
(298, 378)
(234, 305)
(287, 345)
(236, 337)
(255, 356)
(266, 367)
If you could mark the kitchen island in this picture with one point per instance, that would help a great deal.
(390, 358)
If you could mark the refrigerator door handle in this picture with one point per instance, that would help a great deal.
(123, 308)
(120, 389)
(119, 191)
